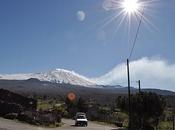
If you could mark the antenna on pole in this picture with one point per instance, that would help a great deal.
(139, 86)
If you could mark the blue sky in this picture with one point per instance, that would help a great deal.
(39, 35)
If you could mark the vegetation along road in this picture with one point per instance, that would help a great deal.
(68, 124)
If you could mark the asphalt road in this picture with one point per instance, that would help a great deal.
(68, 125)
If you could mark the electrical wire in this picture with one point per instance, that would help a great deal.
(137, 32)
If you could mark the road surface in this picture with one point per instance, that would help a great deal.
(68, 125)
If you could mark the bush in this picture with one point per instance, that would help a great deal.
(146, 109)
(27, 117)
(119, 124)
(11, 116)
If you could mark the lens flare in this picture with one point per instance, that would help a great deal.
(128, 12)
(130, 6)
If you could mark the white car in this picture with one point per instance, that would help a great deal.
(81, 120)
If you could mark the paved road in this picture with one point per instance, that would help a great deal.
(69, 125)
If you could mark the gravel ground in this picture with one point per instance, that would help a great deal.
(68, 125)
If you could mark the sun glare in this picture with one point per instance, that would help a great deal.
(128, 12)
(125, 7)
(130, 6)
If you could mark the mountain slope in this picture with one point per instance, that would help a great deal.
(56, 76)
(103, 95)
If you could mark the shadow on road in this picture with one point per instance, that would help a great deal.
(76, 126)
(118, 129)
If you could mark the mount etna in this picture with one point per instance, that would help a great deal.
(59, 82)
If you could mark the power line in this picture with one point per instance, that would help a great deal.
(125, 82)
(128, 74)
(137, 32)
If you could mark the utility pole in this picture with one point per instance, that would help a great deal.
(129, 94)
(173, 122)
(140, 119)
(139, 86)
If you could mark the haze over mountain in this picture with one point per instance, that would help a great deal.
(56, 76)
(59, 82)
(153, 73)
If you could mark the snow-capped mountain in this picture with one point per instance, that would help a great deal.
(56, 76)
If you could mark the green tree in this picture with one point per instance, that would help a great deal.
(82, 105)
(71, 107)
(146, 109)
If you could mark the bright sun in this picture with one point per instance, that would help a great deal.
(130, 6)
(127, 11)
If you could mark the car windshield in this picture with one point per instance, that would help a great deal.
(81, 117)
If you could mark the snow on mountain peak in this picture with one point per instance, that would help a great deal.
(56, 76)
